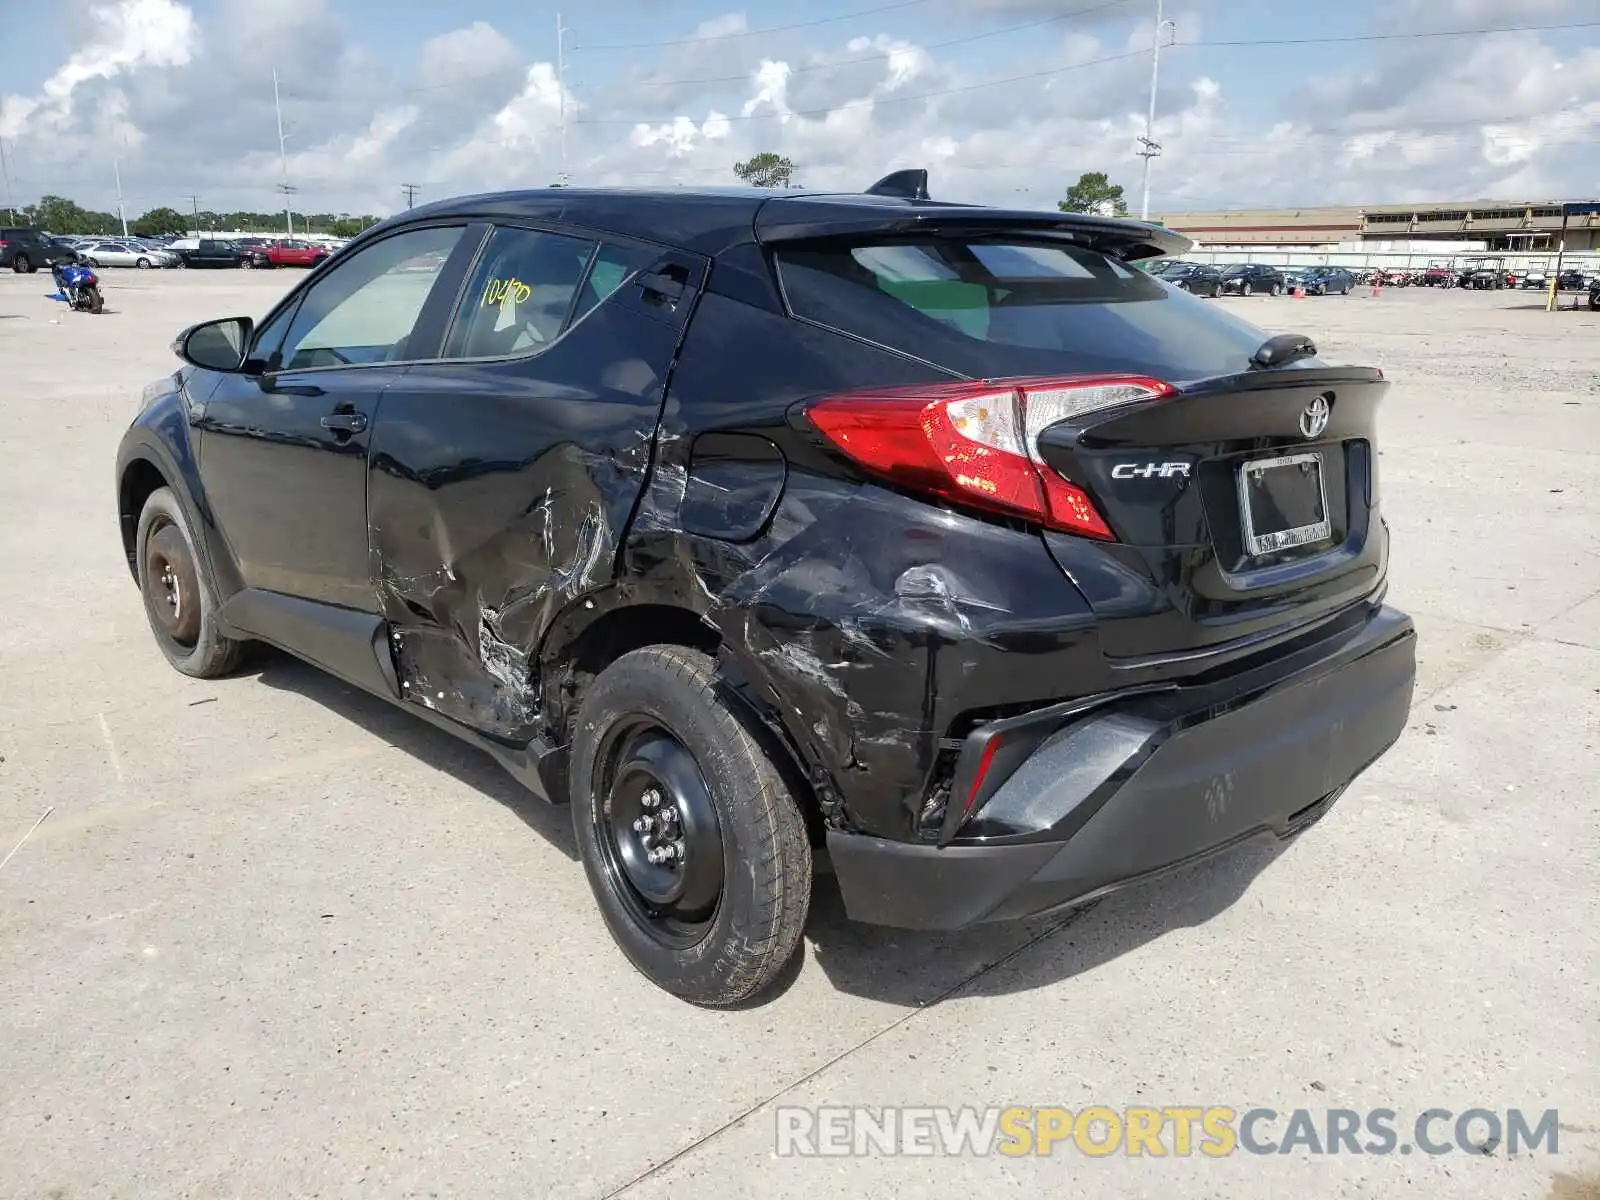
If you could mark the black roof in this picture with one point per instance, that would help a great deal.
(711, 220)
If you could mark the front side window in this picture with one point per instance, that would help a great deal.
(363, 311)
(520, 294)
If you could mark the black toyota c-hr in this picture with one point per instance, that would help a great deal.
(937, 537)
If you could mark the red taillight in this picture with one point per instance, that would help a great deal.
(976, 443)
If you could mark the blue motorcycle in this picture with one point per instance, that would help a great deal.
(79, 285)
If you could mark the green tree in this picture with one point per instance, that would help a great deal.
(1094, 193)
(766, 170)
(60, 215)
(160, 221)
(346, 227)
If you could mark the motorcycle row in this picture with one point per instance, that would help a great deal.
(1479, 278)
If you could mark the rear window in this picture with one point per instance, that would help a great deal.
(1001, 307)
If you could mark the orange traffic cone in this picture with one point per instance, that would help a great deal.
(1376, 284)
(1299, 292)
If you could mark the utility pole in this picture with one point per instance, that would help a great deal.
(283, 158)
(116, 171)
(5, 172)
(194, 200)
(1151, 147)
(411, 190)
(561, 86)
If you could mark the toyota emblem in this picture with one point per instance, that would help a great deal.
(1315, 418)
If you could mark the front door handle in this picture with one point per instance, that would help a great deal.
(345, 422)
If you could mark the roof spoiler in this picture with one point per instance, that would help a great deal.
(809, 218)
(908, 185)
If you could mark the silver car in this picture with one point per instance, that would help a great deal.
(125, 254)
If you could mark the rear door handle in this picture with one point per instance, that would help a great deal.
(345, 422)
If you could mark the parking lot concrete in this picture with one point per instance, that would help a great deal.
(277, 938)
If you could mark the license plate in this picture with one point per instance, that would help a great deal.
(1283, 502)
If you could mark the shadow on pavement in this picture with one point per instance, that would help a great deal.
(894, 966)
(414, 737)
(913, 969)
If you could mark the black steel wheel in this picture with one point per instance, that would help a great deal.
(179, 599)
(693, 844)
(658, 832)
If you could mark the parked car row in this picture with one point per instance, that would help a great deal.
(1249, 279)
(25, 250)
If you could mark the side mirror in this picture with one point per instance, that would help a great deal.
(216, 345)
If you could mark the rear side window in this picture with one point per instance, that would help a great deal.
(613, 266)
(520, 294)
(992, 307)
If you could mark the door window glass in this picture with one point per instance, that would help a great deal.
(363, 311)
(520, 294)
(613, 267)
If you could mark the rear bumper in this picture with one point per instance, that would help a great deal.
(1138, 788)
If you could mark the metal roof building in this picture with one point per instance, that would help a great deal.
(1511, 225)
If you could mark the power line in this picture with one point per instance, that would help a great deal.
(877, 100)
(967, 39)
(411, 190)
(1032, 75)
(746, 33)
(1398, 37)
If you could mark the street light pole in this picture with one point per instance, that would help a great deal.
(5, 172)
(1151, 146)
(283, 158)
(561, 84)
(116, 173)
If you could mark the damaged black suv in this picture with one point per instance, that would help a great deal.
(935, 537)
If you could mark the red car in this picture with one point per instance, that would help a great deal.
(286, 253)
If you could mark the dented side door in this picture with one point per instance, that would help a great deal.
(500, 487)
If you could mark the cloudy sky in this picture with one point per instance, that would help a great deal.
(1261, 103)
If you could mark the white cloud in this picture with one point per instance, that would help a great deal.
(126, 36)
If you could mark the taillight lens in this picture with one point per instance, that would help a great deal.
(977, 443)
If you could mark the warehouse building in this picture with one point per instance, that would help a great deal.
(1512, 226)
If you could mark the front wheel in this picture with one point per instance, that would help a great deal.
(143, 264)
(179, 599)
(1277, 289)
(693, 844)
(22, 265)
(248, 264)
(1246, 289)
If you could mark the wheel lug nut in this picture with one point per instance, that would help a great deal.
(651, 798)
(643, 825)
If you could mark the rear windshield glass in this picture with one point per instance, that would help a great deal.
(1013, 307)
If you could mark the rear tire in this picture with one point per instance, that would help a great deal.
(716, 923)
(97, 302)
(180, 599)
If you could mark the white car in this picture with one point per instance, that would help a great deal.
(125, 254)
